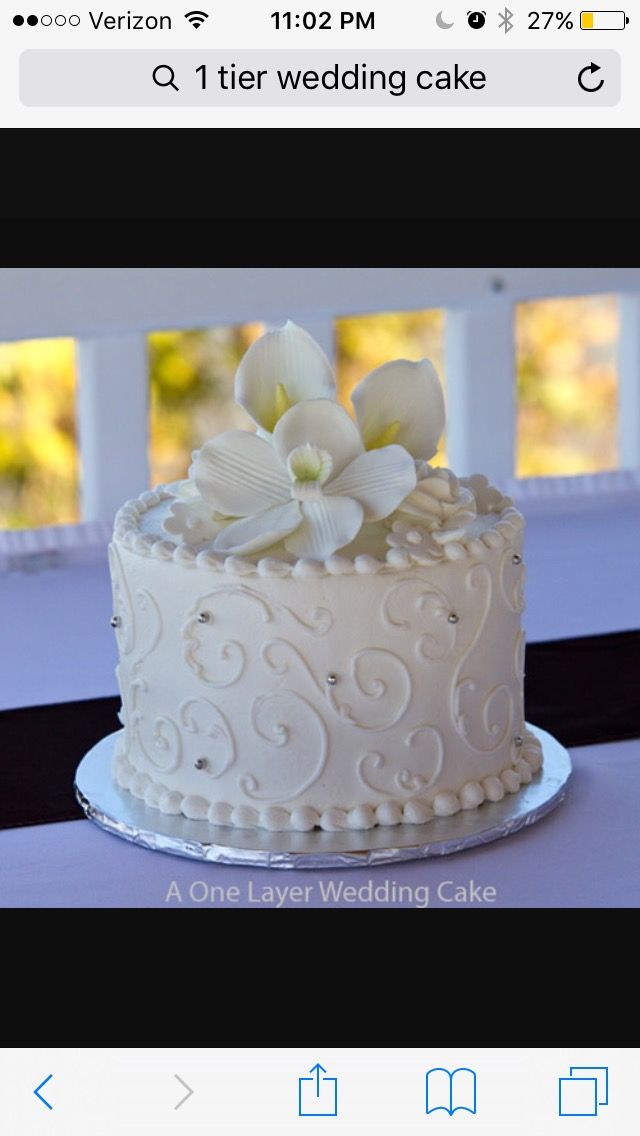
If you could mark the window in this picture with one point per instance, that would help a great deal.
(567, 386)
(191, 377)
(38, 451)
(566, 413)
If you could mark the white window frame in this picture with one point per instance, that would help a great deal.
(110, 312)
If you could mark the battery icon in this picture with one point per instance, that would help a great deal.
(603, 21)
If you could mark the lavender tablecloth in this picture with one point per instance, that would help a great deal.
(585, 854)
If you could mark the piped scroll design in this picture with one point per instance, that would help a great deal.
(375, 771)
(141, 624)
(151, 625)
(226, 654)
(161, 742)
(288, 723)
(518, 660)
(378, 693)
(208, 735)
(415, 603)
(482, 719)
(229, 655)
(373, 694)
(320, 619)
(122, 606)
(512, 579)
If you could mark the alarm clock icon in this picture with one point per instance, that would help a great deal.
(476, 20)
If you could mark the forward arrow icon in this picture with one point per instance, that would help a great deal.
(188, 1094)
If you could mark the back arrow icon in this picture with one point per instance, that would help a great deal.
(590, 70)
(36, 1092)
(189, 1092)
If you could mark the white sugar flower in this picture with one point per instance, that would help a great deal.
(441, 504)
(401, 402)
(310, 477)
(280, 369)
(488, 499)
(193, 520)
(313, 487)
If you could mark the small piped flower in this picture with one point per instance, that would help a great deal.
(192, 520)
(440, 504)
(416, 540)
(487, 498)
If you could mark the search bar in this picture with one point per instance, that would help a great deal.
(319, 78)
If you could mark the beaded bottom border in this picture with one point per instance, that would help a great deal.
(119, 812)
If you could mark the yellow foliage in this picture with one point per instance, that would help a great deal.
(191, 389)
(567, 386)
(38, 453)
(566, 376)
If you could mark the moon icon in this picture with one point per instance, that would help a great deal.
(442, 23)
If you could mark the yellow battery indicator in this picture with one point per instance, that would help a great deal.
(603, 21)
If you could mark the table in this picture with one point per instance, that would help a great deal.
(578, 856)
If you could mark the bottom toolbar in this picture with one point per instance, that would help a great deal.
(281, 1089)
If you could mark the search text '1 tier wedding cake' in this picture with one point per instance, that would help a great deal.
(317, 627)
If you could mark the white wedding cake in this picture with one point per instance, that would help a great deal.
(318, 628)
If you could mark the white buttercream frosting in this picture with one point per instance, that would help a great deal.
(222, 656)
(417, 810)
(139, 525)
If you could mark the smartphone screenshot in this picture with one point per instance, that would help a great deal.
(318, 585)
(169, 1090)
(442, 64)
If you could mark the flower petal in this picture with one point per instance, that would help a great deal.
(440, 501)
(280, 369)
(252, 534)
(320, 423)
(328, 524)
(239, 473)
(401, 402)
(379, 480)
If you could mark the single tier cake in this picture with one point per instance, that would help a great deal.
(318, 628)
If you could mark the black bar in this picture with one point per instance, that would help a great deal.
(583, 691)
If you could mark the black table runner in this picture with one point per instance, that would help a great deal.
(582, 691)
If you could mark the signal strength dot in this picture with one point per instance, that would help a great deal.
(196, 19)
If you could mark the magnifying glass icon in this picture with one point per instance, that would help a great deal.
(165, 76)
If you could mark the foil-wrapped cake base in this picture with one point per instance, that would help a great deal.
(122, 814)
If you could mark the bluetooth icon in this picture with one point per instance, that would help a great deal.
(506, 21)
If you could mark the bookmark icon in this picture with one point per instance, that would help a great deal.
(452, 1091)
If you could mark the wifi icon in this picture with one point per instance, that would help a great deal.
(196, 19)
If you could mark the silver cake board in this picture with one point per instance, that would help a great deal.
(122, 814)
